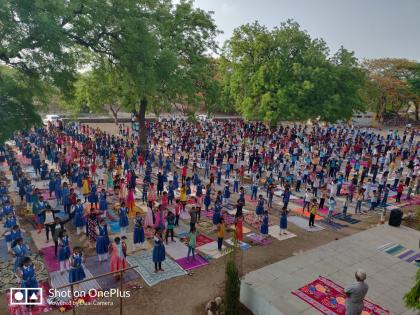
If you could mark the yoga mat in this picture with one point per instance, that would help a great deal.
(306, 214)
(248, 199)
(190, 264)
(347, 218)
(146, 268)
(332, 225)
(395, 249)
(8, 278)
(329, 298)
(107, 282)
(242, 245)
(274, 231)
(176, 249)
(39, 239)
(252, 220)
(304, 224)
(58, 280)
(210, 250)
(245, 230)
(206, 226)
(406, 253)
(114, 227)
(4, 255)
(202, 240)
(51, 261)
(259, 239)
(413, 258)
(181, 233)
(208, 214)
(279, 193)
(233, 211)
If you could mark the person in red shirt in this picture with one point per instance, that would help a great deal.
(141, 162)
(184, 173)
(400, 190)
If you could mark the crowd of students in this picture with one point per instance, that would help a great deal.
(193, 168)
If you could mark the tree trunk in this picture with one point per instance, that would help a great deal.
(114, 112)
(141, 119)
(416, 108)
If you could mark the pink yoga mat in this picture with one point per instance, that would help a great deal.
(248, 199)
(202, 240)
(259, 239)
(191, 264)
(51, 261)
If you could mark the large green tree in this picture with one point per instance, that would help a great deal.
(17, 97)
(45, 41)
(159, 49)
(393, 85)
(100, 90)
(285, 74)
(162, 52)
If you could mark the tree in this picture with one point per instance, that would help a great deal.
(393, 85)
(284, 74)
(162, 52)
(17, 98)
(99, 90)
(46, 41)
(414, 88)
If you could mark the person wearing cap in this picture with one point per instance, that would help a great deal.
(356, 293)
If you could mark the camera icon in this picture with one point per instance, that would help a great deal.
(26, 296)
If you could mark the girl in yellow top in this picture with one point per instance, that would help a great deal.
(183, 196)
(313, 212)
(85, 187)
(220, 233)
(119, 171)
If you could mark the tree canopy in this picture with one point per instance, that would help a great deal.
(160, 50)
(16, 102)
(393, 85)
(284, 74)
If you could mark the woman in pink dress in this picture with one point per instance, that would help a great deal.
(164, 201)
(118, 252)
(160, 218)
(123, 190)
(149, 221)
(130, 200)
(152, 196)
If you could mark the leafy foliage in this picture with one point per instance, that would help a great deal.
(16, 103)
(232, 288)
(412, 298)
(393, 85)
(284, 74)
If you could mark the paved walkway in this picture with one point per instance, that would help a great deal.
(267, 290)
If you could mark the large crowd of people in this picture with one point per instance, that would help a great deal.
(223, 170)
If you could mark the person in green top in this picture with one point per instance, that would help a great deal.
(170, 223)
(192, 241)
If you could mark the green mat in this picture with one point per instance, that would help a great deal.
(395, 249)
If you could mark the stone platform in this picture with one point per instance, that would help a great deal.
(268, 290)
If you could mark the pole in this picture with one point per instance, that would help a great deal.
(72, 300)
(121, 287)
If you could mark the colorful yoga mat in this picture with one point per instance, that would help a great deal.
(329, 298)
(397, 250)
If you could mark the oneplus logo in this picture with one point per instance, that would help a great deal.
(26, 296)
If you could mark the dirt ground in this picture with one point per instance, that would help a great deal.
(189, 294)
